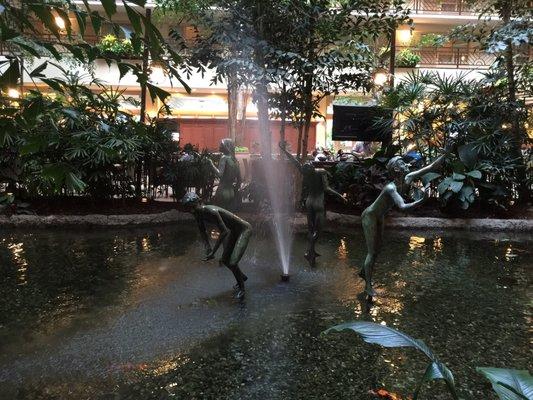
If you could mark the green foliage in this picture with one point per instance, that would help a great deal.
(361, 181)
(306, 50)
(74, 142)
(434, 109)
(21, 31)
(432, 40)
(509, 384)
(388, 337)
(120, 47)
(407, 59)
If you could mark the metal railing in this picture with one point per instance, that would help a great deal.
(449, 57)
(456, 7)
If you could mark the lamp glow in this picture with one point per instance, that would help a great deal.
(404, 36)
(380, 78)
(13, 93)
(60, 22)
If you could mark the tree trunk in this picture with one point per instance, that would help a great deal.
(308, 99)
(283, 104)
(516, 136)
(261, 93)
(233, 104)
(261, 88)
(300, 133)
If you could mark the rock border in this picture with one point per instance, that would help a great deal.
(174, 216)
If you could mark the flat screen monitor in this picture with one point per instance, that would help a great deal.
(360, 123)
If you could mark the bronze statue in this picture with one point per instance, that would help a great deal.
(373, 216)
(234, 233)
(314, 186)
(229, 175)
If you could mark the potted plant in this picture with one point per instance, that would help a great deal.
(407, 59)
(115, 47)
(432, 40)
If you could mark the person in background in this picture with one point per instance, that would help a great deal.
(362, 149)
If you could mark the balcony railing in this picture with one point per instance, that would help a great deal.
(449, 57)
(456, 7)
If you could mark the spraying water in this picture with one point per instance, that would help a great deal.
(278, 182)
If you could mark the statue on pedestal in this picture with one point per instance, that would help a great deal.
(314, 186)
(234, 234)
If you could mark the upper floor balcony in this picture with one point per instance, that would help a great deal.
(454, 7)
(466, 57)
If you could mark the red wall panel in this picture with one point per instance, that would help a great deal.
(207, 134)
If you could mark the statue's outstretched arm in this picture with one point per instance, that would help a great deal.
(434, 165)
(329, 189)
(290, 156)
(412, 176)
(400, 202)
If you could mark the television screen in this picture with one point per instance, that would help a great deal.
(360, 123)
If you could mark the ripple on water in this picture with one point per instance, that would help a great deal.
(134, 313)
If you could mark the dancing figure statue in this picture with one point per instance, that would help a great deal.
(373, 216)
(314, 186)
(234, 234)
(229, 175)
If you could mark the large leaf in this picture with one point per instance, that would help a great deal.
(430, 176)
(11, 75)
(389, 337)
(436, 370)
(37, 72)
(157, 92)
(383, 335)
(134, 18)
(44, 14)
(474, 174)
(110, 7)
(455, 186)
(509, 384)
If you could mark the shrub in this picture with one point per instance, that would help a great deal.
(407, 59)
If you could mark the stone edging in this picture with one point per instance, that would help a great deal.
(174, 216)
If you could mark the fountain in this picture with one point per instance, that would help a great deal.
(278, 183)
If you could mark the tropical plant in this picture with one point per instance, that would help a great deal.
(434, 110)
(509, 384)
(120, 47)
(304, 50)
(26, 28)
(389, 337)
(509, 39)
(361, 181)
(407, 59)
(75, 141)
(432, 40)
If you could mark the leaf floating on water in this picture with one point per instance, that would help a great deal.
(385, 394)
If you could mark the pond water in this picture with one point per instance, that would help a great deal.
(135, 314)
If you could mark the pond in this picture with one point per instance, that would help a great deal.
(135, 314)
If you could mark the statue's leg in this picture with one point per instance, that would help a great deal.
(239, 248)
(372, 232)
(312, 235)
(320, 217)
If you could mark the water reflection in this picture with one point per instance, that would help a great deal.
(141, 305)
(342, 250)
